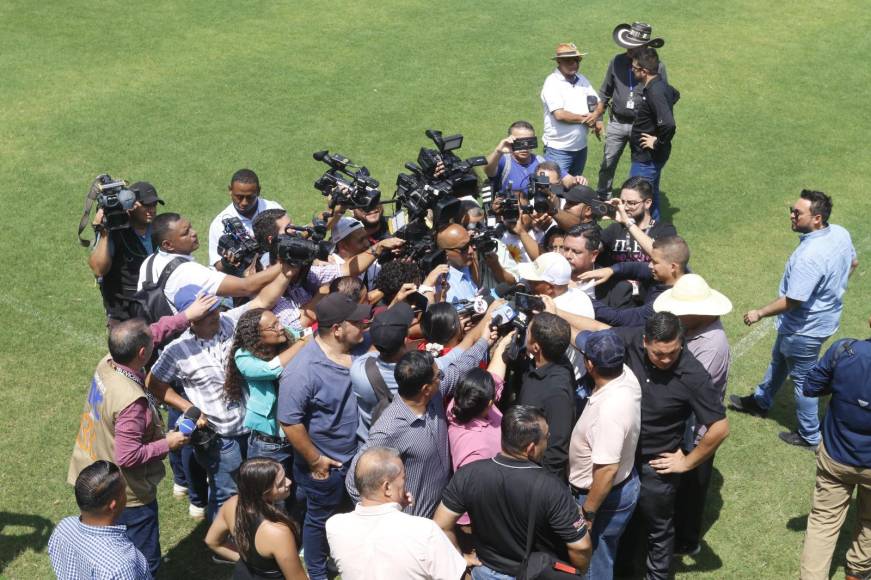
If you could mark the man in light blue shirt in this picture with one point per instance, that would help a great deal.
(460, 254)
(808, 312)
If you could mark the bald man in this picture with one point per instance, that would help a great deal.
(378, 540)
(463, 277)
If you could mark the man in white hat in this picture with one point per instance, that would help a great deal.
(620, 93)
(569, 100)
(550, 275)
(699, 309)
(351, 239)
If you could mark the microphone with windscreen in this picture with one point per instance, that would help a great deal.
(187, 423)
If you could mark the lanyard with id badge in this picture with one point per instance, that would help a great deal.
(630, 100)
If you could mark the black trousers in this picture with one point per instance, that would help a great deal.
(690, 508)
(652, 525)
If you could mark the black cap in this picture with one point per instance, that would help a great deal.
(145, 193)
(337, 308)
(581, 194)
(389, 328)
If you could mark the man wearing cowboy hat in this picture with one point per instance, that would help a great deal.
(569, 100)
(699, 309)
(621, 92)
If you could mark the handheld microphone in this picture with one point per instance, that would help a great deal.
(187, 423)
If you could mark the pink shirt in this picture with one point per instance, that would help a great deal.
(480, 438)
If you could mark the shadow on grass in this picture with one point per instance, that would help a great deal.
(845, 537)
(191, 558)
(706, 560)
(20, 532)
(666, 210)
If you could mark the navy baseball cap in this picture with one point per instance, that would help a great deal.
(389, 328)
(604, 348)
(186, 296)
(337, 308)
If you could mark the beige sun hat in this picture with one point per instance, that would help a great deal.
(691, 295)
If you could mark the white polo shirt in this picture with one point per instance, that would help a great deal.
(185, 274)
(558, 93)
(607, 431)
(216, 229)
(383, 542)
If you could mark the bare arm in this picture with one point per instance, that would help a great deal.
(100, 260)
(447, 520)
(677, 462)
(273, 291)
(853, 265)
(566, 117)
(219, 531)
(278, 543)
(603, 480)
(580, 552)
(773, 308)
(318, 464)
(503, 148)
(237, 287)
(166, 394)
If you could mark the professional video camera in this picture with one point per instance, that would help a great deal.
(115, 199)
(538, 191)
(237, 248)
(458, 173)
(483, 238)
(417, 194)
(419, 247)
(511, 206)
(345, 183)
(301, 245)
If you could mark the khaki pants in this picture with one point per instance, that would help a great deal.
(832, 494)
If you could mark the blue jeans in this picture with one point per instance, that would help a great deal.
(324, 498)
(484, 573)
(222, 462)
(186, 471)
(793, 355)
(611, 520)
(570, 162)
(143, 531)
(651, 171)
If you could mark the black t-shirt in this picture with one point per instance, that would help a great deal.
(498, 494)
(620, 246)
(552, 388)
(669, 396)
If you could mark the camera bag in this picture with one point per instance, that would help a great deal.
(150, 301)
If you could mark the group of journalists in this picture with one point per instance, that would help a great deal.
(512, 375)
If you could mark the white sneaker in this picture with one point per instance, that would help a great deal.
(179, 491)
(197, 513)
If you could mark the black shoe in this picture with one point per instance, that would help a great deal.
(687, 549)
(747, 405)
(794, 438)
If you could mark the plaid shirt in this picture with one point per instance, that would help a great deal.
(97, 552)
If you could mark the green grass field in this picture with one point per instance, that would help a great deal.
(184, 93)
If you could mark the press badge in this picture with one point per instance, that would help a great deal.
(630, 102)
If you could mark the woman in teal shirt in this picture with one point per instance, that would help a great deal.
(261, 349)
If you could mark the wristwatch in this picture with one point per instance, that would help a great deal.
(630, 222)
(372, 250)
(423, 288)
(588, 515)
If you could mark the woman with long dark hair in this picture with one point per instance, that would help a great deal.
(267, 540)
(261, 349)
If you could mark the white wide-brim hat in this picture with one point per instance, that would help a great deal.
(691, 296)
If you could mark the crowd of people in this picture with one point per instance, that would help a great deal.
(549, 402)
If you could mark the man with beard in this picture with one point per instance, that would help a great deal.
(373, 220)
(245, 204)
(808, 312)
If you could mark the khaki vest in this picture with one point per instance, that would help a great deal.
(111, 392)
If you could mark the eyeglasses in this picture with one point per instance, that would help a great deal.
(637, 68)
(632, 203)
(276, 327)
(461, 249)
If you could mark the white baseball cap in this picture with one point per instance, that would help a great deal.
(551, 267)
(343, 228)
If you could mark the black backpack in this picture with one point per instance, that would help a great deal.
(379, 386)
(150, 301)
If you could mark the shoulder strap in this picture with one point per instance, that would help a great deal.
(843, 346)
(93, 192)
(376, 380)
(533, 515)
(506, 171)
(168, 270)
(150, 261)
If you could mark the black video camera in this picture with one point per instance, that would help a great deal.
(115, 199)
(419, 247)
(483, 238)
(237, 248)
(345, 183)
(458, 173)
(301, 245)
(538, 191)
